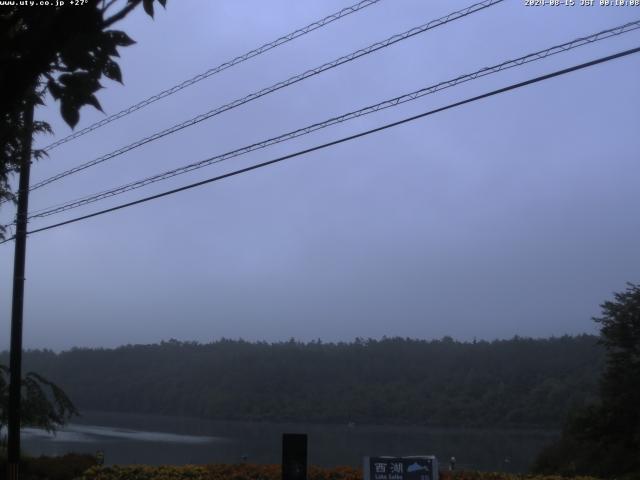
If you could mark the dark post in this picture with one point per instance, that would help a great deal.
(15, 360)
(294, 456)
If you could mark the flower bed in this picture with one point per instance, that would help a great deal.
(269, 472)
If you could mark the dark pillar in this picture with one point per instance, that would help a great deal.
(15, 355)
(294, 456)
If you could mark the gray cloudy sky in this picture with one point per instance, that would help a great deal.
(512, 215)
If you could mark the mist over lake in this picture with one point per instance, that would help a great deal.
(155, 440)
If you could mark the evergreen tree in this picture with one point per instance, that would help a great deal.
(604, 439)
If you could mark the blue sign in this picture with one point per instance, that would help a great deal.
(422, 467)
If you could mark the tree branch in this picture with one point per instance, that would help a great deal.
(107, 6)
(121, 14)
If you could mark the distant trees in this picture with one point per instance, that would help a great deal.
(517, 382)
(44, 404)
(604, 438)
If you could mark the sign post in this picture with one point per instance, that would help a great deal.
(294, 456)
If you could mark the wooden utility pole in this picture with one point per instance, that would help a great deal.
(15, 356)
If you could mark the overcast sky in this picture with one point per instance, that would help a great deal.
(517, 214)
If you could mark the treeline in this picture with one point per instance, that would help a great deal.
(517, 382)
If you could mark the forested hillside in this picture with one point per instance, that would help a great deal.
(517, 382)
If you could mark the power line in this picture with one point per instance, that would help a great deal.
(531, 57)
(223, 66)
(265, 91)
(346, 139)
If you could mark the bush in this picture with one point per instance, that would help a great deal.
(472, 475)
(66, 467)
(144, 472)
(271, 472)
(213, 472)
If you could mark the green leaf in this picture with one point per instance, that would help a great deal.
(93, 101)
(120, 38)
(66, 79)
(148, 7)
(42, 127)
(163, 3)
(108, 45)
(55, 89)
(112, 70)
(39, 153)
(80, 84)
(69, 112)
(75, 55)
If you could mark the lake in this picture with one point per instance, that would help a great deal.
(154, 440)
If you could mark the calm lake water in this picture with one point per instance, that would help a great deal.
(151, 439)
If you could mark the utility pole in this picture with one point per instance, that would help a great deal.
(15, 359)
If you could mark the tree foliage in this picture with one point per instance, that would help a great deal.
(64, 51)
(43, 405)
(517, 382)
(603, 439)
